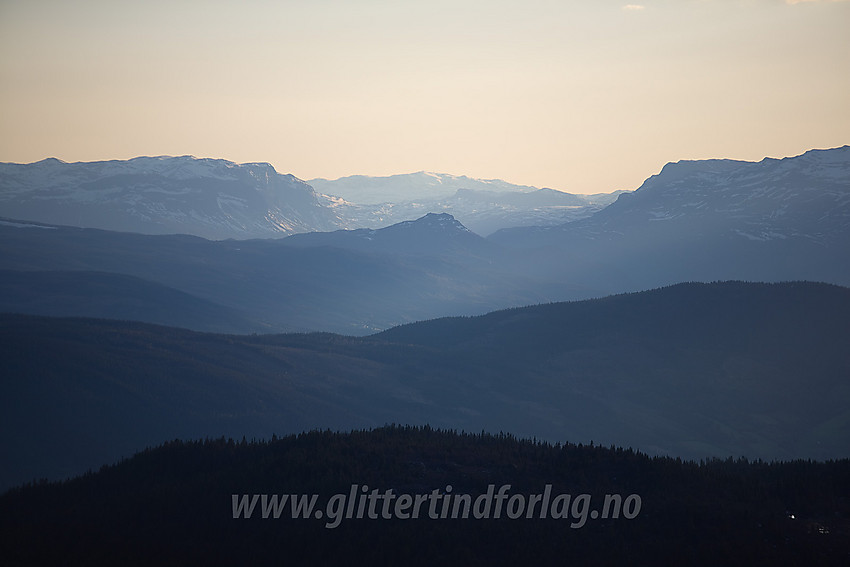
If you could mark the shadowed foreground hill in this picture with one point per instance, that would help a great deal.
(175, 505)
(693, 370)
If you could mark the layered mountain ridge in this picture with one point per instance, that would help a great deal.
(351, 282)
(775, 220)
(692, 370)
(219, 199)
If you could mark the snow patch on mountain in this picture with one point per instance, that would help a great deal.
(802, 197)
(213, 198)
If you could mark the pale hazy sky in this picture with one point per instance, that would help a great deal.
(581, 96)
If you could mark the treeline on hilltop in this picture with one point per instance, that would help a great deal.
(174, 505)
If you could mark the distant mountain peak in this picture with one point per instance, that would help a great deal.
(433, 234)
(51, 161)
(443, 221)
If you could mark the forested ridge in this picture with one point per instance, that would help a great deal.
(173, 505)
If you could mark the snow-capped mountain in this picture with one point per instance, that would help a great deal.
(420, 186)
(777, 219)
(484, 206)
(803, 197)
(211, 198)
(807, 196)
(219, 199)
(482, 212)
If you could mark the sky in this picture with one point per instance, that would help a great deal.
(581, 96)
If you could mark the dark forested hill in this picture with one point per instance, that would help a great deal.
(693, 370)
(325, 498)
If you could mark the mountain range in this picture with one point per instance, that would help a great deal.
(775, 220)
(482, 205)
(483, 212)
(688, 370)
(420, 186)
(219, 199)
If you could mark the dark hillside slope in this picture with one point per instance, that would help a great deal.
(740, 368)
(693, 370)
(723, 313)
(77, 393)
(113, 296)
